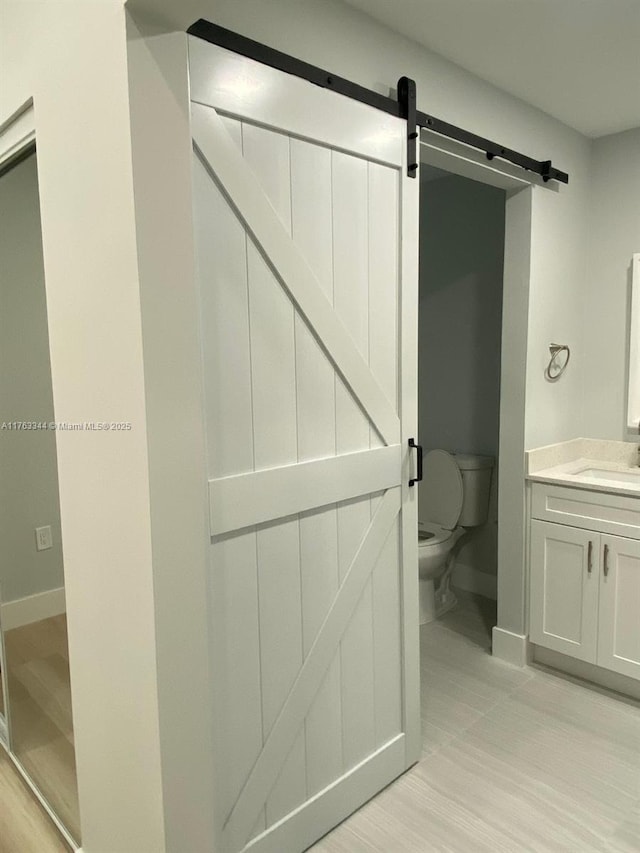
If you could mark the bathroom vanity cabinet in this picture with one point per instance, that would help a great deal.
(585, 576)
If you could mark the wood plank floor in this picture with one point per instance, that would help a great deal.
(24, 825)
(42, 727)
(513, 760)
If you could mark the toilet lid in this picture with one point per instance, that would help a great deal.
(441, 495)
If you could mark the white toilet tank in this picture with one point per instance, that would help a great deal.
(476, 480)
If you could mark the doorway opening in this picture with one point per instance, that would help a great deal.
(468, 416)
(462, 232)
(36, 719)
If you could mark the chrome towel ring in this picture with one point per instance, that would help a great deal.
(557, 365)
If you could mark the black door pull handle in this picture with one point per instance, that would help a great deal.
(418, 447)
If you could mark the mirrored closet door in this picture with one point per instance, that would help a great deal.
(35, 699)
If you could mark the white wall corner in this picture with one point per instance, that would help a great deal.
(96, 351)
(161, 135)
(509, 647)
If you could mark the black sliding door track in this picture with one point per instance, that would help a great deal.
(404, 107)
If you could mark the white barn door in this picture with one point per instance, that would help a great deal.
(306, 240)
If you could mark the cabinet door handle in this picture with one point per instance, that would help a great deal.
(606, 560)
(590, 557)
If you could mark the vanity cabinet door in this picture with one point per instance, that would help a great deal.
(565, 564)
(619, 622)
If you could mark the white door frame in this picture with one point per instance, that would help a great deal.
(17, 133)
(460, 160)
(17, 138)
(17, 141)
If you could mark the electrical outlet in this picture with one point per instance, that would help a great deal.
(44, 538)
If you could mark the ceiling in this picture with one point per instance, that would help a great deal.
(578, 60)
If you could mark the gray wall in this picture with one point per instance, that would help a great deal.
(615, 236)
(28, 468)
(459, 354)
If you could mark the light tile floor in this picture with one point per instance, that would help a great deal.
(513, 759)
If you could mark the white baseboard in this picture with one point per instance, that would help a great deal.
(586, 671)
(509, 647)
(471, 580)
(32, 608)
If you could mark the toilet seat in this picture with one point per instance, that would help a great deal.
(436, 534)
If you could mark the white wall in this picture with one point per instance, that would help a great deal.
(614, 236)
(462, 229)
(71, 57)
(161, 135)
(111, 115)
(556, 296)
(28, 469)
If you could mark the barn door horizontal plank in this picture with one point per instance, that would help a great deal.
(261, 496)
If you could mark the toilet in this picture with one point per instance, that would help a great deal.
(454, 499)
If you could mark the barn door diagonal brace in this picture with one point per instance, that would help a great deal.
(404, 107)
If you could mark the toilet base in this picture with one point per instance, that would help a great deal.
(434, 602)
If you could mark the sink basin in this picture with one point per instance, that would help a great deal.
(629, 476)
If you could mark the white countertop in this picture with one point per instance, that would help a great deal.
(587, 464)
(578, 473)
